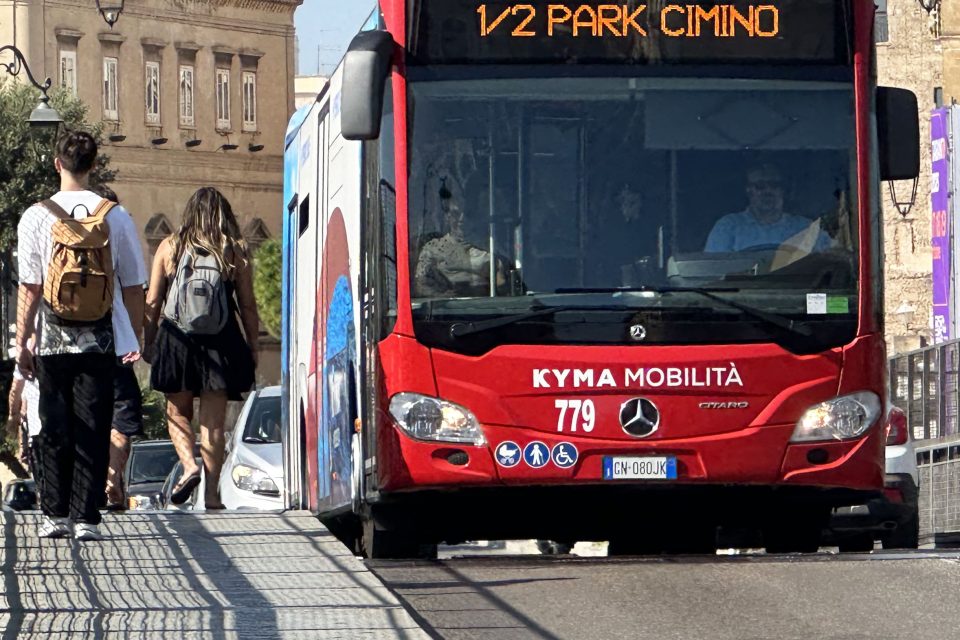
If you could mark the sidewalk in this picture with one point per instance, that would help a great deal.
(185, 575)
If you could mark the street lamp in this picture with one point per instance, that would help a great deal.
(43, 115)
(110, 10)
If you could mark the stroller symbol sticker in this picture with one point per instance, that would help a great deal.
(508, 454)
(564, 455)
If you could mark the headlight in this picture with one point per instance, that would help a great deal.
(142, 503)
(838, 419)
(426, 418)
(253, 479)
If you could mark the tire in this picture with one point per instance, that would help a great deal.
(905, 536)
(347, 529)
(378, 542)
(859, 543)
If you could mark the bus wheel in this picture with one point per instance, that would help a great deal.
(377, 542)
(346, 528)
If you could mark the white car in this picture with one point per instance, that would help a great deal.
(893, 519)
(252, 476)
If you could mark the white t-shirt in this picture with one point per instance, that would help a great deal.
(34, 246)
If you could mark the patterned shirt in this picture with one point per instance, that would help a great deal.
(742, 230)
(448, 266)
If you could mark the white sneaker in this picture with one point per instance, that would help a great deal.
(54, 527)
(87, 532)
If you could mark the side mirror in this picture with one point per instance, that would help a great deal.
(898, 132)
(365, 69)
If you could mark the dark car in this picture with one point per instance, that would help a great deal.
(147, 469)
(20, 495)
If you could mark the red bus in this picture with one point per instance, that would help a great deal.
(585, 271)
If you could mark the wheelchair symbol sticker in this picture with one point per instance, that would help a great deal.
(536, 455)
(564, 455)
(508, 454)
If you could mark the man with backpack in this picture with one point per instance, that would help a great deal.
(79, 258)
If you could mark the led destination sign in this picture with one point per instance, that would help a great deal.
(622, 21)
(633, 31)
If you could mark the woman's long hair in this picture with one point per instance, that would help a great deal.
(208, 225)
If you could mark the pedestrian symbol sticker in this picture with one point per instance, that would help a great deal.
(508, 454)
(536, 454)
(564, 455)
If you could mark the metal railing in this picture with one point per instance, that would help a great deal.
(924, 383)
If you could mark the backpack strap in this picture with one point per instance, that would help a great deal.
(55, 209)
(103, 208)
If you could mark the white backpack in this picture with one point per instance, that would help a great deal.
(197, 300)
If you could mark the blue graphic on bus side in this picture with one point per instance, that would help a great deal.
(564, 455)
(536, 455)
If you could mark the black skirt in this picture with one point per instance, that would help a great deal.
(193, 363)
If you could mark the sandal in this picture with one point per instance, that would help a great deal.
(116, 504)
(182, 490)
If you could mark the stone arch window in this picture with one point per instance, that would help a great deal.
(158, 228)
(256, 233)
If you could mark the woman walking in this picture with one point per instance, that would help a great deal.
(202, 277)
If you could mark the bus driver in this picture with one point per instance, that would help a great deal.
(764, 223)
(450, 266)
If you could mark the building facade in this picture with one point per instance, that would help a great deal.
(910, 54)
(191, 92)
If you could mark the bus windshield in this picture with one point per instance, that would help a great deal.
(620, 194)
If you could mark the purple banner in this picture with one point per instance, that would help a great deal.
(940, 224)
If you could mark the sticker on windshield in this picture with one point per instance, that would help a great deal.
(816, 303)
(838, 304)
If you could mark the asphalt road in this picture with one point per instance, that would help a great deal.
(882, 595)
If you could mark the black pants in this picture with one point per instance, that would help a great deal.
(76, 408)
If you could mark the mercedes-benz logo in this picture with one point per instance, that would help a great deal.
(638, 332)
(639, 417)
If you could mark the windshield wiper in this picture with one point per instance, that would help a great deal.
(774, 319)
(254, 440)
(460, 329)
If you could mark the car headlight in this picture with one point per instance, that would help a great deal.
(426, 418)
(254, 480)
(143, 503)
(838, 419)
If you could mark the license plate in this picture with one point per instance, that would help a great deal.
(634, 468)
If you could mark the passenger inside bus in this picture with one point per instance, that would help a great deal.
(764, 224)
(449, 265)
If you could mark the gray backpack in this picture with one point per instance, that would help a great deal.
(197, 300)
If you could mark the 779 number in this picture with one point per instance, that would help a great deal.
(575, 414)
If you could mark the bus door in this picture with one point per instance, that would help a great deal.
(303, 308)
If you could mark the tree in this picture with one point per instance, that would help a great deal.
(26, 155)
(154, 413)
(267, 274)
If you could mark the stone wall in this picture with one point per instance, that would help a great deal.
(912, 59)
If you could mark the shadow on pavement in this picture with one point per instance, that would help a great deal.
(225, 576)
(451, 606)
